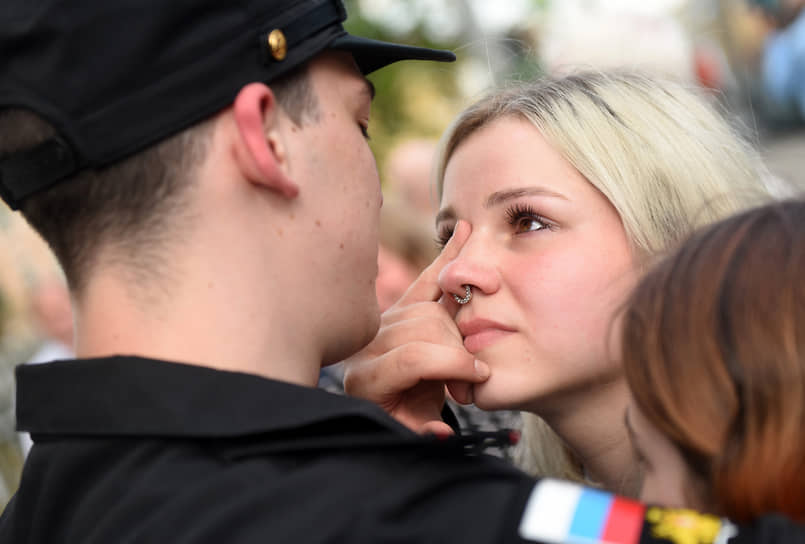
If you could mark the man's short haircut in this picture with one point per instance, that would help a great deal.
(132, 205)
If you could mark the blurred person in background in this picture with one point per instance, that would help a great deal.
(406, 248)
(782, 71)
(606, 35)
(713, 343)
(571, 186)
(11, 457)
(394, 275)
(49, 300)
(407, 176)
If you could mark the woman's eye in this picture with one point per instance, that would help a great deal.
(443, 236)
(365, 130)
(528, 224)
(525, 219)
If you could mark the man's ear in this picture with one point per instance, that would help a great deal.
(260, 153)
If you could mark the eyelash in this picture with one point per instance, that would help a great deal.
(520, 211)
(443, 236)
(514, 214)
(365, 131)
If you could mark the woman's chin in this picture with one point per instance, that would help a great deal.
(495, 396)
(511, 392)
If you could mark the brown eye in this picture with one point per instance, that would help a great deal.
(528, 224)
(524, 219)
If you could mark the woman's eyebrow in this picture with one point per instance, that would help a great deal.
(498, 197)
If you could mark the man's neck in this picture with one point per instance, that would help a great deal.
(199, 321)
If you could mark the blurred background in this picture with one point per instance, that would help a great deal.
(748, 55)
(718, 44)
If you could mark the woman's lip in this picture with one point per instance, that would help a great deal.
(480, 333)
(474, 326)
(484, 338)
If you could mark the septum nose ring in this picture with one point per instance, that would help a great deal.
(467, 295)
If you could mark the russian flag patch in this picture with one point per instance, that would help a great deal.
(559, 512)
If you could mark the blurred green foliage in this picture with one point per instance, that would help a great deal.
(414, 99)
(419, 99)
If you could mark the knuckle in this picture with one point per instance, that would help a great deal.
(448, 329)
(407, 358)
(352, 380)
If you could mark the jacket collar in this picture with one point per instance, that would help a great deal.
(135, 396)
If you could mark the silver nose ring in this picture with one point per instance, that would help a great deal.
(467, 295)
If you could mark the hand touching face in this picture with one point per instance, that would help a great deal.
(417, 350)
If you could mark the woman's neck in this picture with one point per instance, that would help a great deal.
(591, 424)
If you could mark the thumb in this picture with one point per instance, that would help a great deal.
(426, 287)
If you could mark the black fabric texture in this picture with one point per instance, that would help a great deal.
(135, 450)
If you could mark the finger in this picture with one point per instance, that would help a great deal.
(426, 286)
(437, 328)
(460, 391)
(438, 428)
(405, 366)
(418, 405)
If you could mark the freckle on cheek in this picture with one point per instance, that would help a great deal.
(280, 232)
(318, 223)
(341, 246)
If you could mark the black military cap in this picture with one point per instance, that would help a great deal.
(117, 76)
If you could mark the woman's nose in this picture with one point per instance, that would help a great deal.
(474, 266)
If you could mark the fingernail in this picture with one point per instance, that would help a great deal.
(481, 369)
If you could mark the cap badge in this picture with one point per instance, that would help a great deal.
(277, 44)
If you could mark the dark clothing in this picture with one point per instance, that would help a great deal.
(458, 416)
(135, 450)
(131, 450)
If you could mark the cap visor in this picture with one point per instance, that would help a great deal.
(373, 54)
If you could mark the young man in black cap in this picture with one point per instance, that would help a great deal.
(200, 170)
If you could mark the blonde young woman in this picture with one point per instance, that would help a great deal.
(554, 195)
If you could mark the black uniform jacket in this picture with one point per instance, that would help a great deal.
(136, 450)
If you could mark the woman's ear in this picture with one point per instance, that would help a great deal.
(260, 153)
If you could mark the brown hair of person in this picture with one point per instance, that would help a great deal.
(714, 353)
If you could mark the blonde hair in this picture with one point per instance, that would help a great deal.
(664, 158)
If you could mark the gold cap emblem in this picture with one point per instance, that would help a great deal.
(277, 44)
